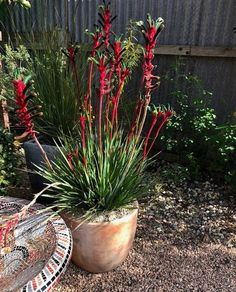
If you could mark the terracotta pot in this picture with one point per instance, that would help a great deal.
(101, 247)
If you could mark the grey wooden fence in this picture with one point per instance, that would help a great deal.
(200, 29)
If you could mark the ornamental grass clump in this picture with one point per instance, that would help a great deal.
(58, 89)
(102, 167)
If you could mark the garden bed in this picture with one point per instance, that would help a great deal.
(186, 241)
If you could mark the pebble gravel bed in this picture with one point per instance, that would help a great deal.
(185, 241)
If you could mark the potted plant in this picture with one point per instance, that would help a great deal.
(96, 177)
(58, 76)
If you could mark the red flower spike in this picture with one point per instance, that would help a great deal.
(102, 75)
(96, 42)
(22, 111)
(105, 22)
(117, 48)
(150, 35)
(106, 25)
(168, 114)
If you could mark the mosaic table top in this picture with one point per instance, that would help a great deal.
(41, 248)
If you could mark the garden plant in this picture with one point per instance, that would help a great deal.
(99, 168)
(8, 161)
(199, 141)
(89, 130)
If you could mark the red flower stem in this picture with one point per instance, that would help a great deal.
(113, 117)
(118, 100)
(90, 79)
(136, 118)
(102, 91)
(107, 114)
(90, 96)
(154, 120)
(76, 79)
(147, 101)
(108, 102)
(83, 138)
(100, 122)
(42, 150)
(157, 134)
(90, 119)
(115, 106)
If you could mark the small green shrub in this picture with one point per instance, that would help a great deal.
(8, 161)
(193, 134)
(221, 155)
(14, 65)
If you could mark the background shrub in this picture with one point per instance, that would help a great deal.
(8, 161)
(14, 64)
(193, 134)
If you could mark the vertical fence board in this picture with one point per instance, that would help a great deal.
(188, 22)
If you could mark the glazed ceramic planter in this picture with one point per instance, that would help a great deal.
(34, 157)
(101, 247)
(39, 250)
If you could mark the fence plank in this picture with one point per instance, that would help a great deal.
(196, 51)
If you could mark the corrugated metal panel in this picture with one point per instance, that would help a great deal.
(188, 22)
(193, 22)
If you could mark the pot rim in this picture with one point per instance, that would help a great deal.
(122, 219)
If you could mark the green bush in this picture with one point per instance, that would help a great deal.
(221, 155)
(193, 134)
(8, 161)
(14, 65)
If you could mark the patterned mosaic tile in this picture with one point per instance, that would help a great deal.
(40, 250)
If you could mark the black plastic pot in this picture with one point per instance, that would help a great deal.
(34, 157)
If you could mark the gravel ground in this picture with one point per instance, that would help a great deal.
(185, 241)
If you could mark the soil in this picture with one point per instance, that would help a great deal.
(185, 241)
(105, 216)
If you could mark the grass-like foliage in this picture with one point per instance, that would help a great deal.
(98, 181)
(57, 85)
(56, 93)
